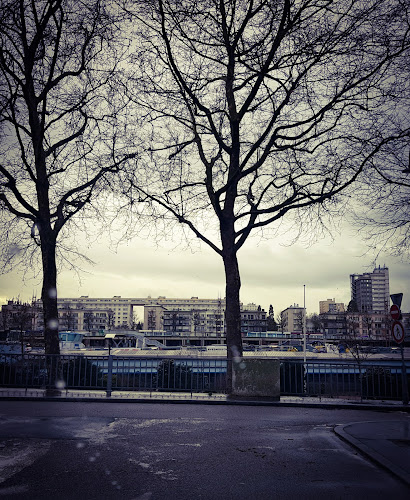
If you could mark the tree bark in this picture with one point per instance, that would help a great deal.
(232, 315)
(49, 291)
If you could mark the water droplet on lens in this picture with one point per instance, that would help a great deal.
(53, 324)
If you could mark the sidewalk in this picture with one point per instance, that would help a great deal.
(199, 397)
(195, 397)
(387, 444)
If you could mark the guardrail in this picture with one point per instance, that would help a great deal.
(371, 380)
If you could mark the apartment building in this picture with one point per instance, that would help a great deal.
(253, 319)
(186, 316)
(330, 306)
(356, 325)
(371, 291)
(16, 315)
(372, 326)
(294, 319)
(192, 315)
(85, 319)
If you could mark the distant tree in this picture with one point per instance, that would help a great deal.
(88, 320)
(67, 320)
(298, 321)
(352, 307)
(173, 375)
(57, 119)
(151, 320)
(21, 321)
(367, 324)
(316, 322)
(271, 324)
(259, 111)
(137, 324)
(383, 216)
(80, 372)
(356, 345)
(280, 322)
(110, 319)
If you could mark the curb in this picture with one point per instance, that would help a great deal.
(328, 406)
(373, 455)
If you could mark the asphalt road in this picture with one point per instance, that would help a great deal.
(64, 450)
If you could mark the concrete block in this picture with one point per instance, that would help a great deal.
(256, 379)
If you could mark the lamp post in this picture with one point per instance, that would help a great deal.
(303, 325)
(304, 341)
(109, 336)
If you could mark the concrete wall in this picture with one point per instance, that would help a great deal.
(256, 378)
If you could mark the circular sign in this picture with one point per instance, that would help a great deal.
(395, 311)
(398, 332)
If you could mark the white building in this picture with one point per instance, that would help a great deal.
(294, 319)
(96, 313)
(186, 316)
(194, 316)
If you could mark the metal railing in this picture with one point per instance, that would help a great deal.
(112, 373)
(371, 380)
(375, 380)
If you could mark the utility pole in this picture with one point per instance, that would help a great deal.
(303, 325)
(398, 334)
(304, 341)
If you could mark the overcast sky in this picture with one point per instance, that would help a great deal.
(271, 273)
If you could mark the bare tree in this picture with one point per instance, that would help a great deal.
(110, 319)
(67, 319)
(383, 217)
(88, 321)
(280, 323)
(24, 322)
(258, 112)
(316, 322)
(57, 113)
(356, 343)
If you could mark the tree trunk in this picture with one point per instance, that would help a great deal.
(49, 292)
(50, 311)
(232, 314)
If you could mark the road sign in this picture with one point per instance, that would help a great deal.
(395, 311)
(396, 298)
(397, 331)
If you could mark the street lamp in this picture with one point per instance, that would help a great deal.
(304, 340)
(303, 325)
(109, 336)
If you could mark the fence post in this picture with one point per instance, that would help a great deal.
(405, 391)
(109, 376)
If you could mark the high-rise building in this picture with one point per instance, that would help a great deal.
(371, 291)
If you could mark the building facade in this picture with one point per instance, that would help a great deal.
(356, 325)
(175, 316)
(253, 319)
(294, 319)
(371, 291)
(19, 316)
(330, 306)
(201, 319)
(192, 316)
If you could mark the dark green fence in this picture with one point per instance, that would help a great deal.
(381, 380)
